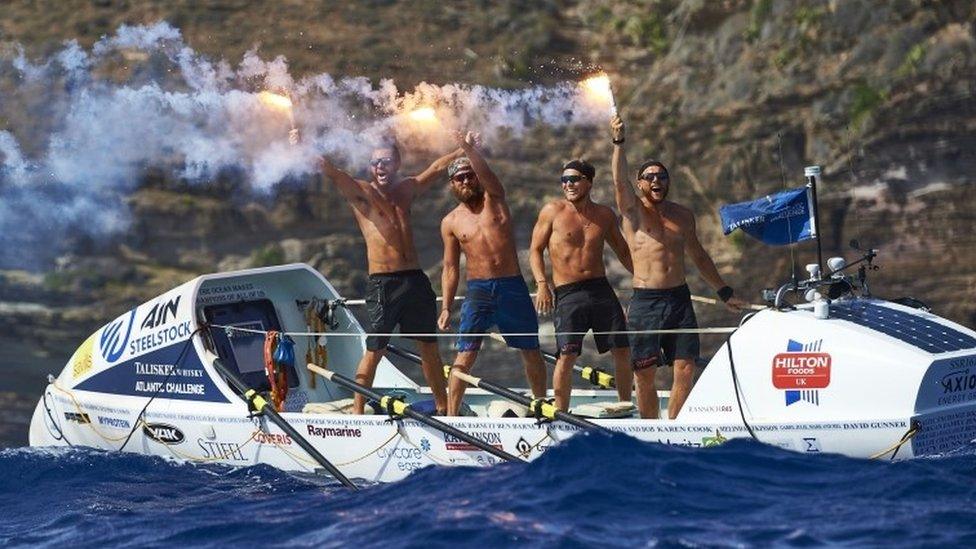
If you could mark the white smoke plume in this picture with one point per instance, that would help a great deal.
(82, 127)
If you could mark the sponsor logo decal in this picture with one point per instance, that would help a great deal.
(77, 417)
(213, 449)
(115, 422)
(958, 381)
(163, 433)
(716, 440)
(523, 447)
(811, 444)
(81, 361)
(488, 437)
(326, 432)
(112, 342)
(272, 438)
(160, 313)
(802, 370)
(425, 444)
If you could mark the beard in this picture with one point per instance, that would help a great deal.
(467, 195)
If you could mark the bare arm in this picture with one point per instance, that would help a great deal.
(540, 242)
(345, 182)
(698, 254)
(449, 273)
(493, 187)
(624, 193)
(618, 243)
(427, 177)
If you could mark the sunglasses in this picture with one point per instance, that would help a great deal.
(571, 179)
(377, 162)
(463, 176)
(660, 176)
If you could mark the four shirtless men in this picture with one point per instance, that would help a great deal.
(657, 233)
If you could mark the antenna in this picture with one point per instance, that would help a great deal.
(812, 173)
(782, 172)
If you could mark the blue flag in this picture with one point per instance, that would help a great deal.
(781, 218)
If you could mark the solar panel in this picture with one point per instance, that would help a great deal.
(912, 329)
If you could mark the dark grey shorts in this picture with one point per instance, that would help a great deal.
(402, 298)
(585, 305)
(661, 310)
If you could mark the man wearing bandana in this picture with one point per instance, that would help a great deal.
(481, 227)
(660, 233)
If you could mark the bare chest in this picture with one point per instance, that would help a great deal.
(484, 225)
(571, 228)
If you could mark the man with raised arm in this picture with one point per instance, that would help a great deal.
(660, 233)
(398, 291)
(481, 227)
(574, 231)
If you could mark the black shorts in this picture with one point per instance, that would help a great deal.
(666, 309)
(403, 298)
(584, 305)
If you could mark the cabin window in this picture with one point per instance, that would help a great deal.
(243, 352)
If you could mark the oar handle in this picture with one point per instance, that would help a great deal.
(259, 403)
(594, 375)
(537, 406)
(400, 408)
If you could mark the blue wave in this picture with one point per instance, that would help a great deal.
(593, 490)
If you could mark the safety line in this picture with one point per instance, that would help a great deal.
(723, 330)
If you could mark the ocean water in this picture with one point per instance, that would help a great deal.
(594, 490)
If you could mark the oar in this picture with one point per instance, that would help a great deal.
(537, 406)
(596, 376)
(253, 398)
(399, 408)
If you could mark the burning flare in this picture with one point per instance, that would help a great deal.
(423, 114)
(598, 89)
(275, 101)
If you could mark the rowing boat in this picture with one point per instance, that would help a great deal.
(184, 375)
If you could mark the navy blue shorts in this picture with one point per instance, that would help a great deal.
(584, 305)
(666, 309)
(502, 302)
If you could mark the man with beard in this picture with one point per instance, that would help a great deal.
(398, 291)
(660, 233)
(481, 227)
(574, 231)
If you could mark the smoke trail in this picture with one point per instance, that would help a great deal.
(84, 126)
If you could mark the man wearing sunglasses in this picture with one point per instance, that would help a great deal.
(481, 227)
(398, 292)
(660, 233)
(574, 231)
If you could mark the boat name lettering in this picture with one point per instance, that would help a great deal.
(118, 423)
(156, 339)
(324, 432)
(164, 433)
(400, 453)
(272, 438)
(213, 449)
(160, 313)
